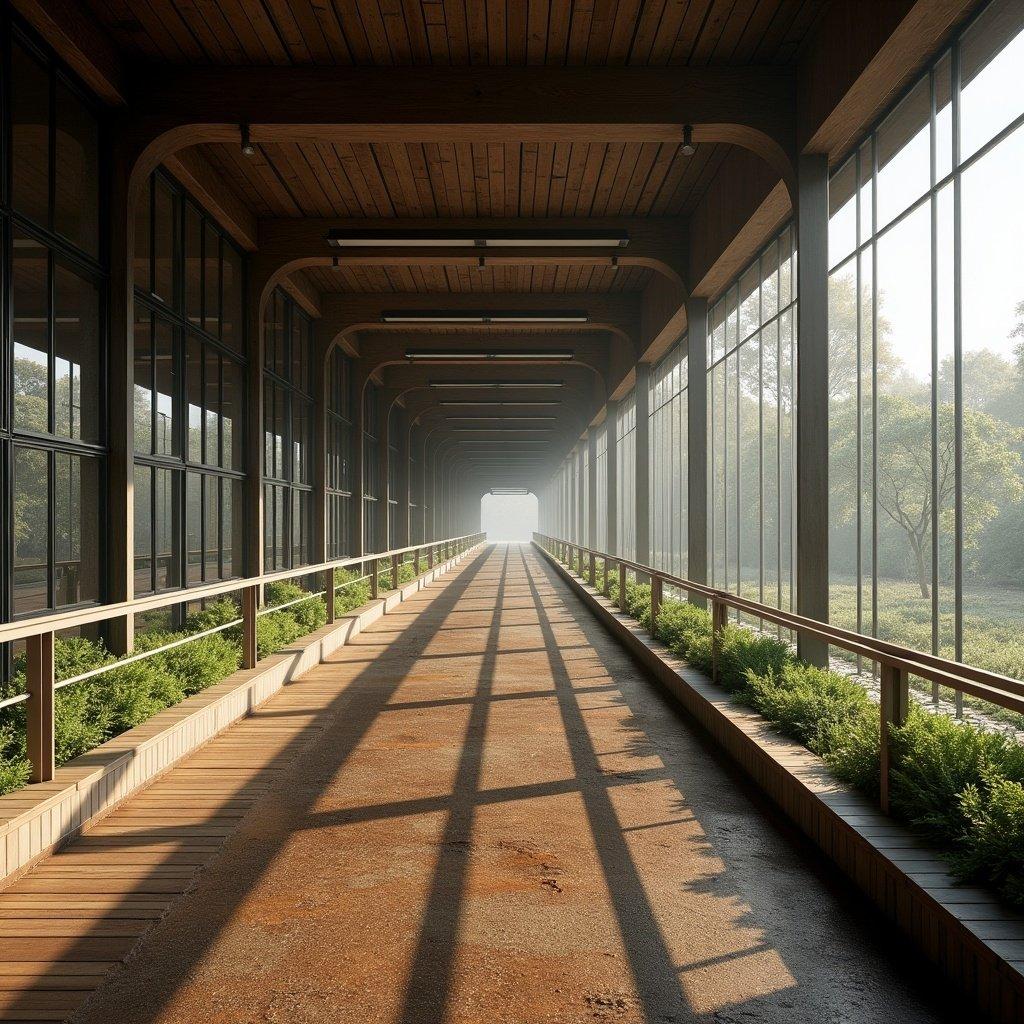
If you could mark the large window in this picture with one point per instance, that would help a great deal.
(625, 458)
(189, 394)
(339, 455)
(926, 349)
(53, 426)
(751, 336)
(601, 540)
(669, 518)
(288, 376)
(372, 471)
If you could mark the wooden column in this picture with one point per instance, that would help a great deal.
(39, 712)
(612, 513)
(812, 403)
(697, 444)
(894, 704)
(643, 467)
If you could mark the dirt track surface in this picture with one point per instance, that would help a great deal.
(481, 811)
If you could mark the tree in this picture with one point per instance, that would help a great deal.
(991, 472)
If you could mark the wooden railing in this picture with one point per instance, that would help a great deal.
(38, 631)
(896, 663)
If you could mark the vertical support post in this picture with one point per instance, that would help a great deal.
(430, 557)
(622, 587)
(374, 578)
(643, 463)
(656, 591)
(719, 617)
(612, 462)
(592, 488)
(894, 705)
(606, 589)
(39, 712)
(812, 402)
(416, 563)
(593, 569)
(250, 602)
(394, 572)
(697, 445)
(329, 595)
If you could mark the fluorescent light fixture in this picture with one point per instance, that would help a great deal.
(501, 419)
(501, 430)
(486, 316)
(463, 402)
(511, 355)
(497, 384)
(457, 238)
(509, 490)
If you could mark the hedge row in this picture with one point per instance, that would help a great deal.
(88, 714)
(958, 785)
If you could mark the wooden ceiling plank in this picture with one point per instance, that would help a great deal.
(656, 178)
(710, 33)
(496, 178)
(293, 171)
(686, 38)
(395, 31)
(175, 28)
(528, 180)
(672, 20)
(620, 40)
(559, 22)
(767, 46)
(260, 37)
(466, 170)
(334, 34)
(389, 175)
(449, 171)
(458, 41)
(559, 172)
(363, 154)
(760, 19)
(513, 156)
(497, 53)
(648, 152)
(667, 191)
(437, 31)
(481, 179)
(346, 202)
(516, 33)
(225, 34)
(476, 30)
(432, 156)
(573, 178)
(537, 32)
(614, 153)
(221, 159)
(406, 178)
(733, 28)
(588, 184)
(542, 182)
(601, 31)
(618, 197)
(264, 172)
(579, 33)
(424, 187)
(352, 19)
(646, 33)
(290, 31)
(139, 42)
(416, 30)
(338, 202)
(312, 31)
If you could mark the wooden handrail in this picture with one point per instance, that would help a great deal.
(896, 662)
(38, 631)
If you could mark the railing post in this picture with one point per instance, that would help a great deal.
(430, 557)
(622, 586)
(39, 652)
(250, 602)
(607, 588)
(719, 615)
(374, 579)
(893, 705)
(394, 572)
(416, 562)
(329, 594)
(656, 586)
(593, 569)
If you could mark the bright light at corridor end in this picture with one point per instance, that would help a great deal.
(509, 515)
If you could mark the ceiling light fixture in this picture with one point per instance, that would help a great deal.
(481, 264)
(509, 490)
(497, 384)
(502, 430)
(688, 148)
(446, 355)
(501, 316)
(615, 263)
(462, 403)
(461, 239)
(501, 419)
(247, 145)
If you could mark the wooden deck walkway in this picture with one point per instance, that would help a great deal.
(478, 810)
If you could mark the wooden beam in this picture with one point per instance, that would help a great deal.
(75, 35)
(191, 168)
(308, 297)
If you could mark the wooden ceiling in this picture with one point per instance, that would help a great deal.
(459, 32)
(558, 279)
(462, 179)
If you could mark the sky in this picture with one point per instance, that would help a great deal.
(509, 517)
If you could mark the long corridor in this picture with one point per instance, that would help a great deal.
(479, 810)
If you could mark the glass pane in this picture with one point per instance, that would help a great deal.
(143, 434)
(904, 154)
(143, 530)
(211, 542)
(165, 232)
(30, 136)
(76, 528)
(77, 357)
(231, 415)
(232, 527)
(193, 265)
(212, 404)
(76, 189)
(232, 325)
(166, 528)
(165, 373)
(211, 276)
(194, 398)
(943, 119)
(30, 302)
(193, 527)
(991, 57)
(842, 213)
(31, 518)
(750, 302)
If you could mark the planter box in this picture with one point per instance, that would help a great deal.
(975, 941)
(39, 818)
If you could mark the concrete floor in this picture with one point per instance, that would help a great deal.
(498, 819)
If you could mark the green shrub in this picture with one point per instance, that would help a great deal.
(680, 624)
(991, 846)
